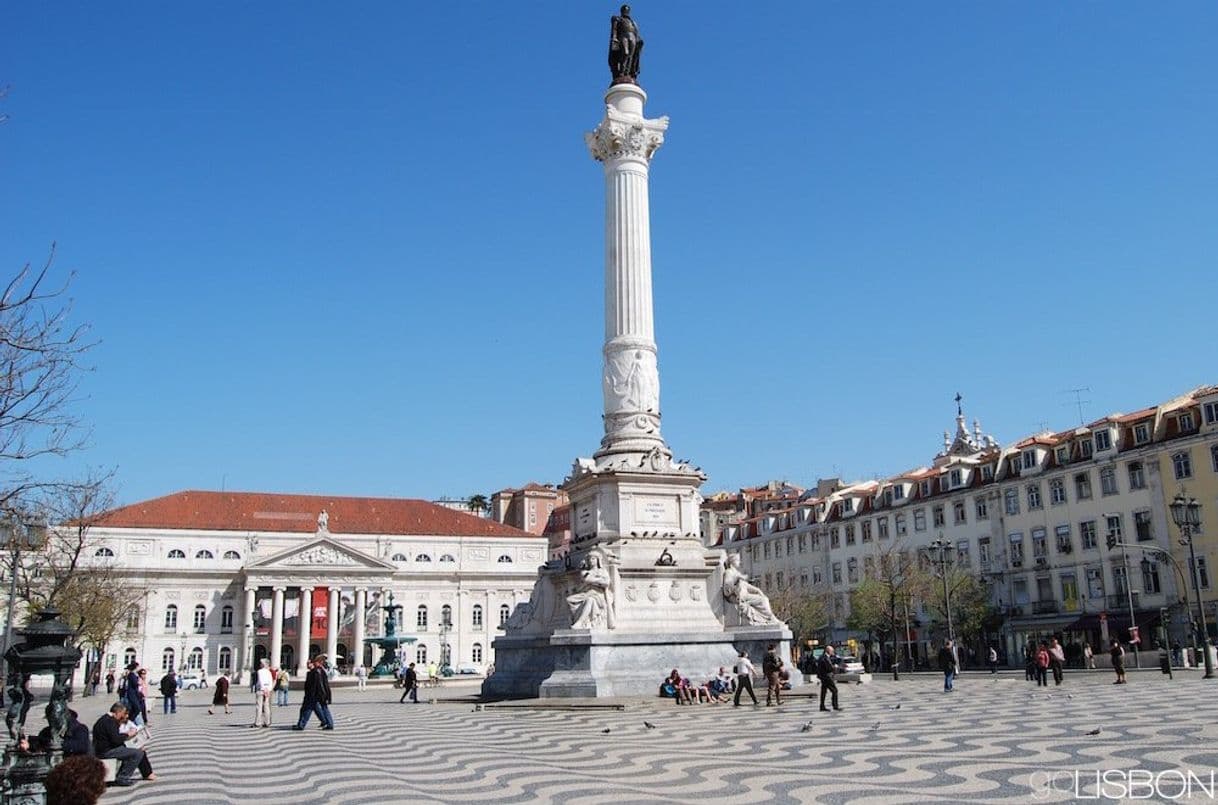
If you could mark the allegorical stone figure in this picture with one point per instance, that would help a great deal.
(750, 601)
(592, 605)
(625, 46)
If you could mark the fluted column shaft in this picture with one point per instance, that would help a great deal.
(333, 618)
(361, 615)
(306, 627)
(276, 626)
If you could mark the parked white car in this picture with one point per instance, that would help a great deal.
(189, 680)
(468, 668)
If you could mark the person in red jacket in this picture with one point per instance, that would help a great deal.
(1042, 665)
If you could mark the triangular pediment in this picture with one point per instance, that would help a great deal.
(322, 552)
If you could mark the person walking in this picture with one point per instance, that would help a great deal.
(316, 697)
(771, 665)
(282, 685)
(1057, 660)
(1118, 662)
(361, 676)
(744, 678)
(993, 660)
(1029, 662)
(264, 683)
(169, 693)
(947, 664)
(410, 685)
(110, 682)
(1042, 665)
(1088, 657)
(220, 696)
(94, 681)
(825, 669)
(132, 695)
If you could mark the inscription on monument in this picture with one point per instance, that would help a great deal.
(656, 511)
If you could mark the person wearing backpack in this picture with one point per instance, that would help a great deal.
(771, 665)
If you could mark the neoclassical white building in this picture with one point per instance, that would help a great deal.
(228, 575)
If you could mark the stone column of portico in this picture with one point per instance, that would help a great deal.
(624, 142)
(361, 615)
(276, 626)
(245, 652)
(306, 627)
(333, 615)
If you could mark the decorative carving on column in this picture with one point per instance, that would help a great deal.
(592, 605)
(625, 136)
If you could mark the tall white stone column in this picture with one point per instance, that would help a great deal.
(361, 616)
(306, 627)
(245, 656)
(624, 142)
(333, 615)
(276, 626)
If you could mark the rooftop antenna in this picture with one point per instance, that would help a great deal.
(1078, 400)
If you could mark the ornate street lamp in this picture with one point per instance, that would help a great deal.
(18, 533)
(942, 546)
(1187, 516)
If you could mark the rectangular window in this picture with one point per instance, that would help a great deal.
(944, 483)
(881, 526)
(898, 492)
(987, 472)
(1020, 590)
(920, 520)
(848, 506)
(1095, 582)
(1137, 475)
(1085, 447)
(1150, 578)
(766, 550)
(924, 489)
(1203, 574)
(768, 586)
(1044, 588)
(937, 516)
(1182, 463)
(1039, 549)
(1029, 459)
(1034, 501)
(803, 542)
(898, 522)
(1103, 440)
(835, 538)
(982, 508)
(955, 478)
(958, 512)
(817, 575)
(1211, 412)
(1011, 499)
(1113, 522)
(837, 572)
(1119, 584)
(1108, 482)
(1069, 592)
(1064, 544)
(1082, 486)
(983, 552)
(852, 570)
(790, 545)
(778, 579)
(803, 579)
(963, 561)
(1214, 457)
(1141, 433)
(866, 533)
(1186, 422)
(850, 534)
(1057, 491)
(1086, 530)
(1063, 455)
(1017, 549)
(1141, 525)
(869, 567)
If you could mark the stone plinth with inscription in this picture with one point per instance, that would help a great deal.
(638, 595)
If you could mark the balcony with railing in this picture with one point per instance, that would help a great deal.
(1045, 608)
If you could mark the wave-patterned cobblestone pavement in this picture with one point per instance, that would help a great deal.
(996, 739)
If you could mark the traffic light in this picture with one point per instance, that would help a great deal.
(1112, 541)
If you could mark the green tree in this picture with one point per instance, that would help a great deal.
(805, 611)
(878, 604)
(970, 604)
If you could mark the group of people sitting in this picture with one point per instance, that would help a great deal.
(716, 690)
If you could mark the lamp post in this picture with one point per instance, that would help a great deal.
(942, 546)
(1187, 516)
(17, 533)
(1113, 542)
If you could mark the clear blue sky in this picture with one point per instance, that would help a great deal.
(358, 249)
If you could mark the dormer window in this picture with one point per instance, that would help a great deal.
(1029, 459)
(848, 506)
(944, 483)
(1141, 433)
(987, 472)
(924, 489)
(1103, 440)
(955, 478)
(1085, 446)
(1211, 412)
(1062, 454)
(1185, 421)
(898, 492)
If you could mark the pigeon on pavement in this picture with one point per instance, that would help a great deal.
(1095, 731)
(806, 727)
(649, 725)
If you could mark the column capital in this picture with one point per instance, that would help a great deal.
(304, 589)
(626, 137)
(279, 589)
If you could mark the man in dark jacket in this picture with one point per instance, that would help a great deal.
(76, 739)
(410, 683)
(825, 669)
(771, 665)
(316, 696)
(109, 741)
(947, 664)
(169, 691)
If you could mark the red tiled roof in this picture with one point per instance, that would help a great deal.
(264, 511)
(1145, 413)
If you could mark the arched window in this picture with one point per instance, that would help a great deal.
(103, 552)
(231, 555)
(226, 620)
(446, 655)
(448, 557)
(167, 660)
(226, 659)
(422, 558)
(446, 615)
(177, 553)
(195, 662)
(420, 656)
(171, 618)
(505, 612)
(420, 618)
(399, 557)
(476, 654)
(504, 559)
(476, 615)
(133, 620)
(128, 657)
(205, 554)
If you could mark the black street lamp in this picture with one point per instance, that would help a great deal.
(1187, 516)
(18, 533)
(943, 546)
